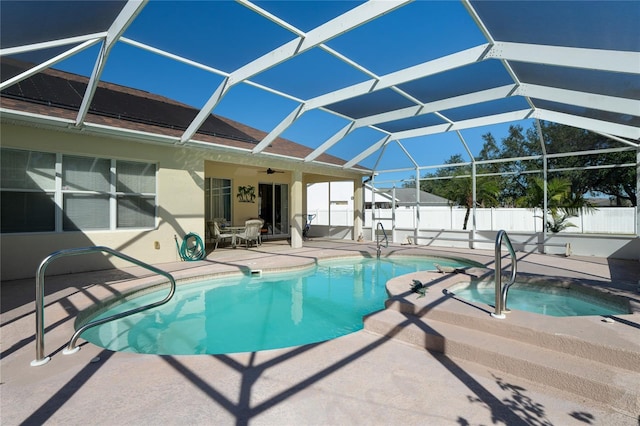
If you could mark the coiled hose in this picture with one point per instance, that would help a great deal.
(192, 247)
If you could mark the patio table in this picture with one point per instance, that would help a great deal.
(234, 231)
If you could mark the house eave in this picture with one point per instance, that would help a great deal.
(63, 124)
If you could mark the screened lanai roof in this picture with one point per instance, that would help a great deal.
(349, 78)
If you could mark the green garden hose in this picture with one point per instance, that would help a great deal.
(192, 247)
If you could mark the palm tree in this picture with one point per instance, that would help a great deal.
(460, 190)
(562, 203)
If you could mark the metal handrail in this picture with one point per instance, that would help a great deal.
(71, 348)
(501, 292)
(379, 227)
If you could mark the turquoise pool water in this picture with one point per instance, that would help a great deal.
(250, 314)
(546, 300)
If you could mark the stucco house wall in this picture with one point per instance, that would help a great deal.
(180, 181)
(180, 201)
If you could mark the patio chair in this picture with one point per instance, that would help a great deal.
(262, 230)
(251, 232)
(216, 235)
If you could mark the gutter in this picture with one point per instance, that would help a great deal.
(21, 117)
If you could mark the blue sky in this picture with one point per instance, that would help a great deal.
(225, 35)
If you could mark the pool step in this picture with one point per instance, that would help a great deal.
(592, 339)
(611, 385)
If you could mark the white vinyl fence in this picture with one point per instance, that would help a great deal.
(604, 220)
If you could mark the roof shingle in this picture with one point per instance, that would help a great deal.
(57, 93)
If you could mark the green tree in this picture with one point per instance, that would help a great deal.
(438, 182)
(562, 202)
(461, 191)
(455, 184)
(517, 174)
(617, 182)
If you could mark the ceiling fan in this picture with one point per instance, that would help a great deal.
(270, 171)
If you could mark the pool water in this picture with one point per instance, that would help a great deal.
(549, 300)
(257, 313)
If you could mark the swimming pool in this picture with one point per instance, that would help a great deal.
(246, 314)
(546, 298)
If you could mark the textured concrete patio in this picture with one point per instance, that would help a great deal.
(368, 377)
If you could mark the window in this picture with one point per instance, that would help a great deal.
(86, 183)
(88, 193)
(136, 187)
(218, 199)
(28, 190)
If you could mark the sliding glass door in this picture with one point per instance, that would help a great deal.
(274, 207)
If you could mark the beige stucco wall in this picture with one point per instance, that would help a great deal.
(180, 197)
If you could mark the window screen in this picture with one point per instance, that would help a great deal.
(136, 212)
(85, 174)
(28, 186)
(92, 193)
(85, 211)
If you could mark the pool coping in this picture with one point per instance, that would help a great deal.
(603, 339)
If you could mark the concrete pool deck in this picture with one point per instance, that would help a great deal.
(380, 375)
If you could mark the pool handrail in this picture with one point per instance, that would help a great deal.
(381, 232)
(71, 348)
(501, 292)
